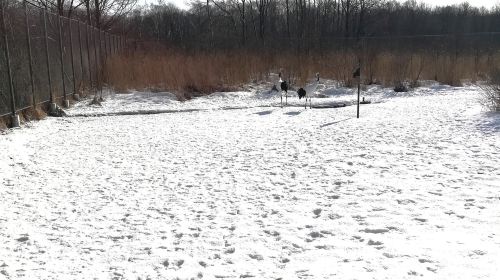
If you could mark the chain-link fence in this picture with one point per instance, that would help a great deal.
(45, 57)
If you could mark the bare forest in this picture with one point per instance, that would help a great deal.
(396, 44)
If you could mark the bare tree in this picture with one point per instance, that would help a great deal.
(104, 13)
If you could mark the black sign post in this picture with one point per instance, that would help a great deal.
(357, 75)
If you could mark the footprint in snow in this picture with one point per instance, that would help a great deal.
(375, 231)
(316, 234)
(23, 239)
(477, 253)
(230, 250)
(359, 238)
(376, 244)
(405, 201)
(272, 233)
(317, 212)
(256, 257)
(334, 216)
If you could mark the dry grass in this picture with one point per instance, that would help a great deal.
(201, 73)
(491, 91)
(26, 115)
(3, 123)
(182, 72)
(31, 114)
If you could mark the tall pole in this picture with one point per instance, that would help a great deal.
(9, 71)
(359, 86)
(95, 60)
(61, 58)
(87, 28)
(72, 57)
(81, 53)
(47, 56)
(30, 56)
(101, 64)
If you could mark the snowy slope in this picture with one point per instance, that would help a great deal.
(410, 189)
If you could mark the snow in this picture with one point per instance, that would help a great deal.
(410, 189)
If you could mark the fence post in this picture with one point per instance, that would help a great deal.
(101, 64)
(96, 66)
(47, 56)
(72, 58)
(81, 53)
(105, 54)
(15, 117)
(87, 28)
(61, 58)
(30, 56)
(109, 43)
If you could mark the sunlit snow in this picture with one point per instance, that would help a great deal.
(233, 186)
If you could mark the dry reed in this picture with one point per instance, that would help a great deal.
(202, 73)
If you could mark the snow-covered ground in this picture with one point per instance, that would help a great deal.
(410, 189)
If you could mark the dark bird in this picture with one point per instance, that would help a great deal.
(284, 86)
(356, 73)
(301, 92)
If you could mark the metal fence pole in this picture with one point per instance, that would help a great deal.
(30, 56)
(359, 87)
(105, 54)
(87, 28)
(95, 57)
(61, 58)
(101, 64)
(15, 119)
(81, 53)
(72, 57)
(47, 56)
(109, 43)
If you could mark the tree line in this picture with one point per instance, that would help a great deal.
(301, 24)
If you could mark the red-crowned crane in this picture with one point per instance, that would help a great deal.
(308, 90)
(284, 87)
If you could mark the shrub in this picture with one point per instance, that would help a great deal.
(491, 91)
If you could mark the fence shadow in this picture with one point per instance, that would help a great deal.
(335, 122)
